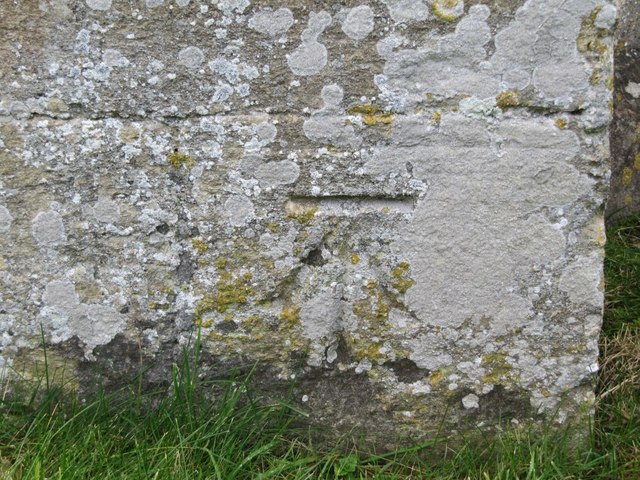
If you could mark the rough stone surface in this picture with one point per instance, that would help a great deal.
(625, 128)
(398, 203)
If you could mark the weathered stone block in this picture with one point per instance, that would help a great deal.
(399, 203)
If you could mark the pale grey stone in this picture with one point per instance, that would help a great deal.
(606, 17)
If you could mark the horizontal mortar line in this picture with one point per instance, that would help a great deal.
(156, 117)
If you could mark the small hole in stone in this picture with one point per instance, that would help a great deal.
(314, 258)
(163, 229)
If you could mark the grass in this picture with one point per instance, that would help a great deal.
(179, 434)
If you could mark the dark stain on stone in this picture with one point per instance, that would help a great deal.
(184, 272)
(406, 370)
(163, 228)
(314, 258)
(227, 326)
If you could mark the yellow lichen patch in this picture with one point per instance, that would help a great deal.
(628, 199)
(354, 259)
(374, 308)
(273, 227)
(636, 161)
(627, 176)
(561, 123)
(436, 378)
(289, 317)
(400, 279)
(229, 292)
(199, 246)
(371, 114)
(178, 160)
(508, 99)
(436, 117)
(595, 77)
(447, 10)
(496, 366)
(220, 263)
(609, 83)
(589, 38)
(303, 216)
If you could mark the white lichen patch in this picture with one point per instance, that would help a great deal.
(239, 210)
(191, 57)
(407, 11)
(48, 229)
(5, 219)
(271, 22)
(153, 3)
(358, 23)
(102, 5)
(65, 317)
(311, 56)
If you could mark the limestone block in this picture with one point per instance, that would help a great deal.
(398, 203)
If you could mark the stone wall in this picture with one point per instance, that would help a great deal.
(625, 128)
(397, 203)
